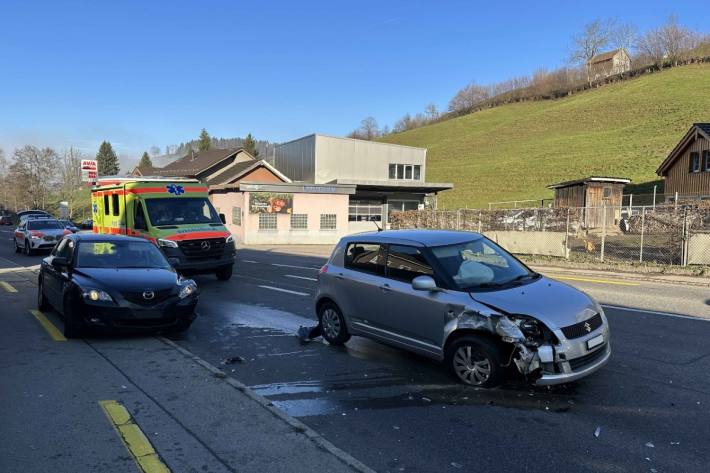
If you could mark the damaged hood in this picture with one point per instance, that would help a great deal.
(553, 303)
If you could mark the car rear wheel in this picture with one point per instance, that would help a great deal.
(475, 361)
(224, 273)
(333, 324)
(28, 248)
(73, 324)
(17, 248)
(42, 303)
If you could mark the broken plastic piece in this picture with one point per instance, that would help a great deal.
(598, 431)
(306, 334)
(649, 445)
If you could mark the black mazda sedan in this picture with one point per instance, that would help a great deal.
(114, 281)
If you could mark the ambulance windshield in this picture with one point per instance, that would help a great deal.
(183, 211)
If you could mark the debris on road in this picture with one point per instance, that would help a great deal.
(233, 359)
(306, 334)
(220, 375)
(650, 445)
(456, 465)
(598, 431)
(426, 399)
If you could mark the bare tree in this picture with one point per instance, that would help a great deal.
(431, 112)
(70, 185)
(668, 43)
(589, 42)
(369, 128)
(35, 169)
(468, 97)
(623, 35)
(4, 202)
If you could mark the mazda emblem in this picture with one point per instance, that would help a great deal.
(148, 295)
(587, 327)
(205, 245)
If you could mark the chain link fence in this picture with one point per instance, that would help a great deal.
(677, 234)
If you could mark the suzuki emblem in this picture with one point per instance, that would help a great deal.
(148, 295)
(205, 245)
(587, 327)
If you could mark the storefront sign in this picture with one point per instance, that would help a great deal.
(270, 202)
(89, 168)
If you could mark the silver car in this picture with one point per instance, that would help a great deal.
(460, 298)
(38, 234)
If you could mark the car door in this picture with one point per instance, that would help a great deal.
(417, 318)
(359, 282)
(54, 277)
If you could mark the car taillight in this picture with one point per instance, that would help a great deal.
(323, 269)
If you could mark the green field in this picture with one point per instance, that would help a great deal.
(512, 152)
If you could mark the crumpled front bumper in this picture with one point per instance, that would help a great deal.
(569, 375)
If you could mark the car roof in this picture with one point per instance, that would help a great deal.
(101, 237)
(418, 237)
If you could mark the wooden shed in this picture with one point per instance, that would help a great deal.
(686, 170)
(592, 194)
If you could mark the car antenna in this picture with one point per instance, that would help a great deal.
(379, 228)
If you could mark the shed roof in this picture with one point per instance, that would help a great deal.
(605, 56)
(195, 163)
(239, 170)
(578, 182)
(695, 131)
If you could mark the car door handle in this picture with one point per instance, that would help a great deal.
(385, 288)
(338, 276)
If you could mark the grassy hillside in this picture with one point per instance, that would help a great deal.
(512, 152)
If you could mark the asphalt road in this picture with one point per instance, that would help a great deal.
(396, 411)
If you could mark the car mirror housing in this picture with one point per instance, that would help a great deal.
(60, 262)
(424, 283)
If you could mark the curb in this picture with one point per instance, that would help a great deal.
(623, 276)
(297, 425)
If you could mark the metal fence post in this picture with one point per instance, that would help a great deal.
(479, 222)
(567, 250)
(458, 219)
(603, 232)
(643, 223)
(654, 197)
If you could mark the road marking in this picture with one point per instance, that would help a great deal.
(288, 291)
(7, 286)
(133, 438)
(300, 277)
(655, 312)
(48, 326)
(294, 266)
(250, 261)
(599, 281)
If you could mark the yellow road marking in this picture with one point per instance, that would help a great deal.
(48, 326)
(600, 281)
(7, 286)
(133, 438)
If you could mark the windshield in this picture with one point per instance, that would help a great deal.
(181, 211)
(480, 263)
(119, 254)
(44, 225)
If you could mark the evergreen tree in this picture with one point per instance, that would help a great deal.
(249, 146)
(145, 161)
(107, 160)
(205, 142)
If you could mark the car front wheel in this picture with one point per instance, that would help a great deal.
(475, 361)
(333, 324)
(28, 248)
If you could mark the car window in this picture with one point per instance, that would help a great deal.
(65, 249)
(365, 257)
(406, 263)
(58, 248)
(43, 225)
(120, 254)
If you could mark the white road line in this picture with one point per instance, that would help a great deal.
(654, 312)
(293, 266)
(288, 291)
(300, 277)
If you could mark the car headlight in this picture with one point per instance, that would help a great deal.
(530, 327)
(167, 243)
(187, 288)
(98, 295)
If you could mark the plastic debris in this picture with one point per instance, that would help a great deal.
(675, 443)
(233, 359)
(650, 445)
(395, 427)
(426, 399)
(598, 431)
(456, 465)
(306, 334)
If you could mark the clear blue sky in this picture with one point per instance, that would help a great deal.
(142, 73)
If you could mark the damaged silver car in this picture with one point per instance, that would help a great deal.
(460, 298)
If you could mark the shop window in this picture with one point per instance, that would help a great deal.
(364, 211)
(328, 221)
(299, 221)
(267, 221)
(237, 216)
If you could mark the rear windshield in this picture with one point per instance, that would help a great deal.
(41, 224)
(119, 254)
(182, 211)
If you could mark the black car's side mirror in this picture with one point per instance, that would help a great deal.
(60, 262)
(223, 218)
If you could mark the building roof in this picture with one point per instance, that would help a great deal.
(196, 162)
(345, 138)
(232, 173)
(577, 182)
(697, 130)
(397, 185)
(605, 56)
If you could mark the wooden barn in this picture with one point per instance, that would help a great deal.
(686, 170)
(592, 194)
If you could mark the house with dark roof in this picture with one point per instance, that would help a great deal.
(686, 170)
(609, 63)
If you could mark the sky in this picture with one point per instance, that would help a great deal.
(144, 73)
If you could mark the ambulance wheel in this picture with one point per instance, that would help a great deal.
(224, 273)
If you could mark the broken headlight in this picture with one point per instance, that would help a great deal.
(533, 329)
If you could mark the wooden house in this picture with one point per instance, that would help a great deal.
(609, 63)
(592, 194)
(686, 170)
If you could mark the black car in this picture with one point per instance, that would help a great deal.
(114, 281)
(6, 220)
(87, 224)
(69, 225)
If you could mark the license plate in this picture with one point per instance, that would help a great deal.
(595, 342)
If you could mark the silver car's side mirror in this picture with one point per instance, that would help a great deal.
(424, 283)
